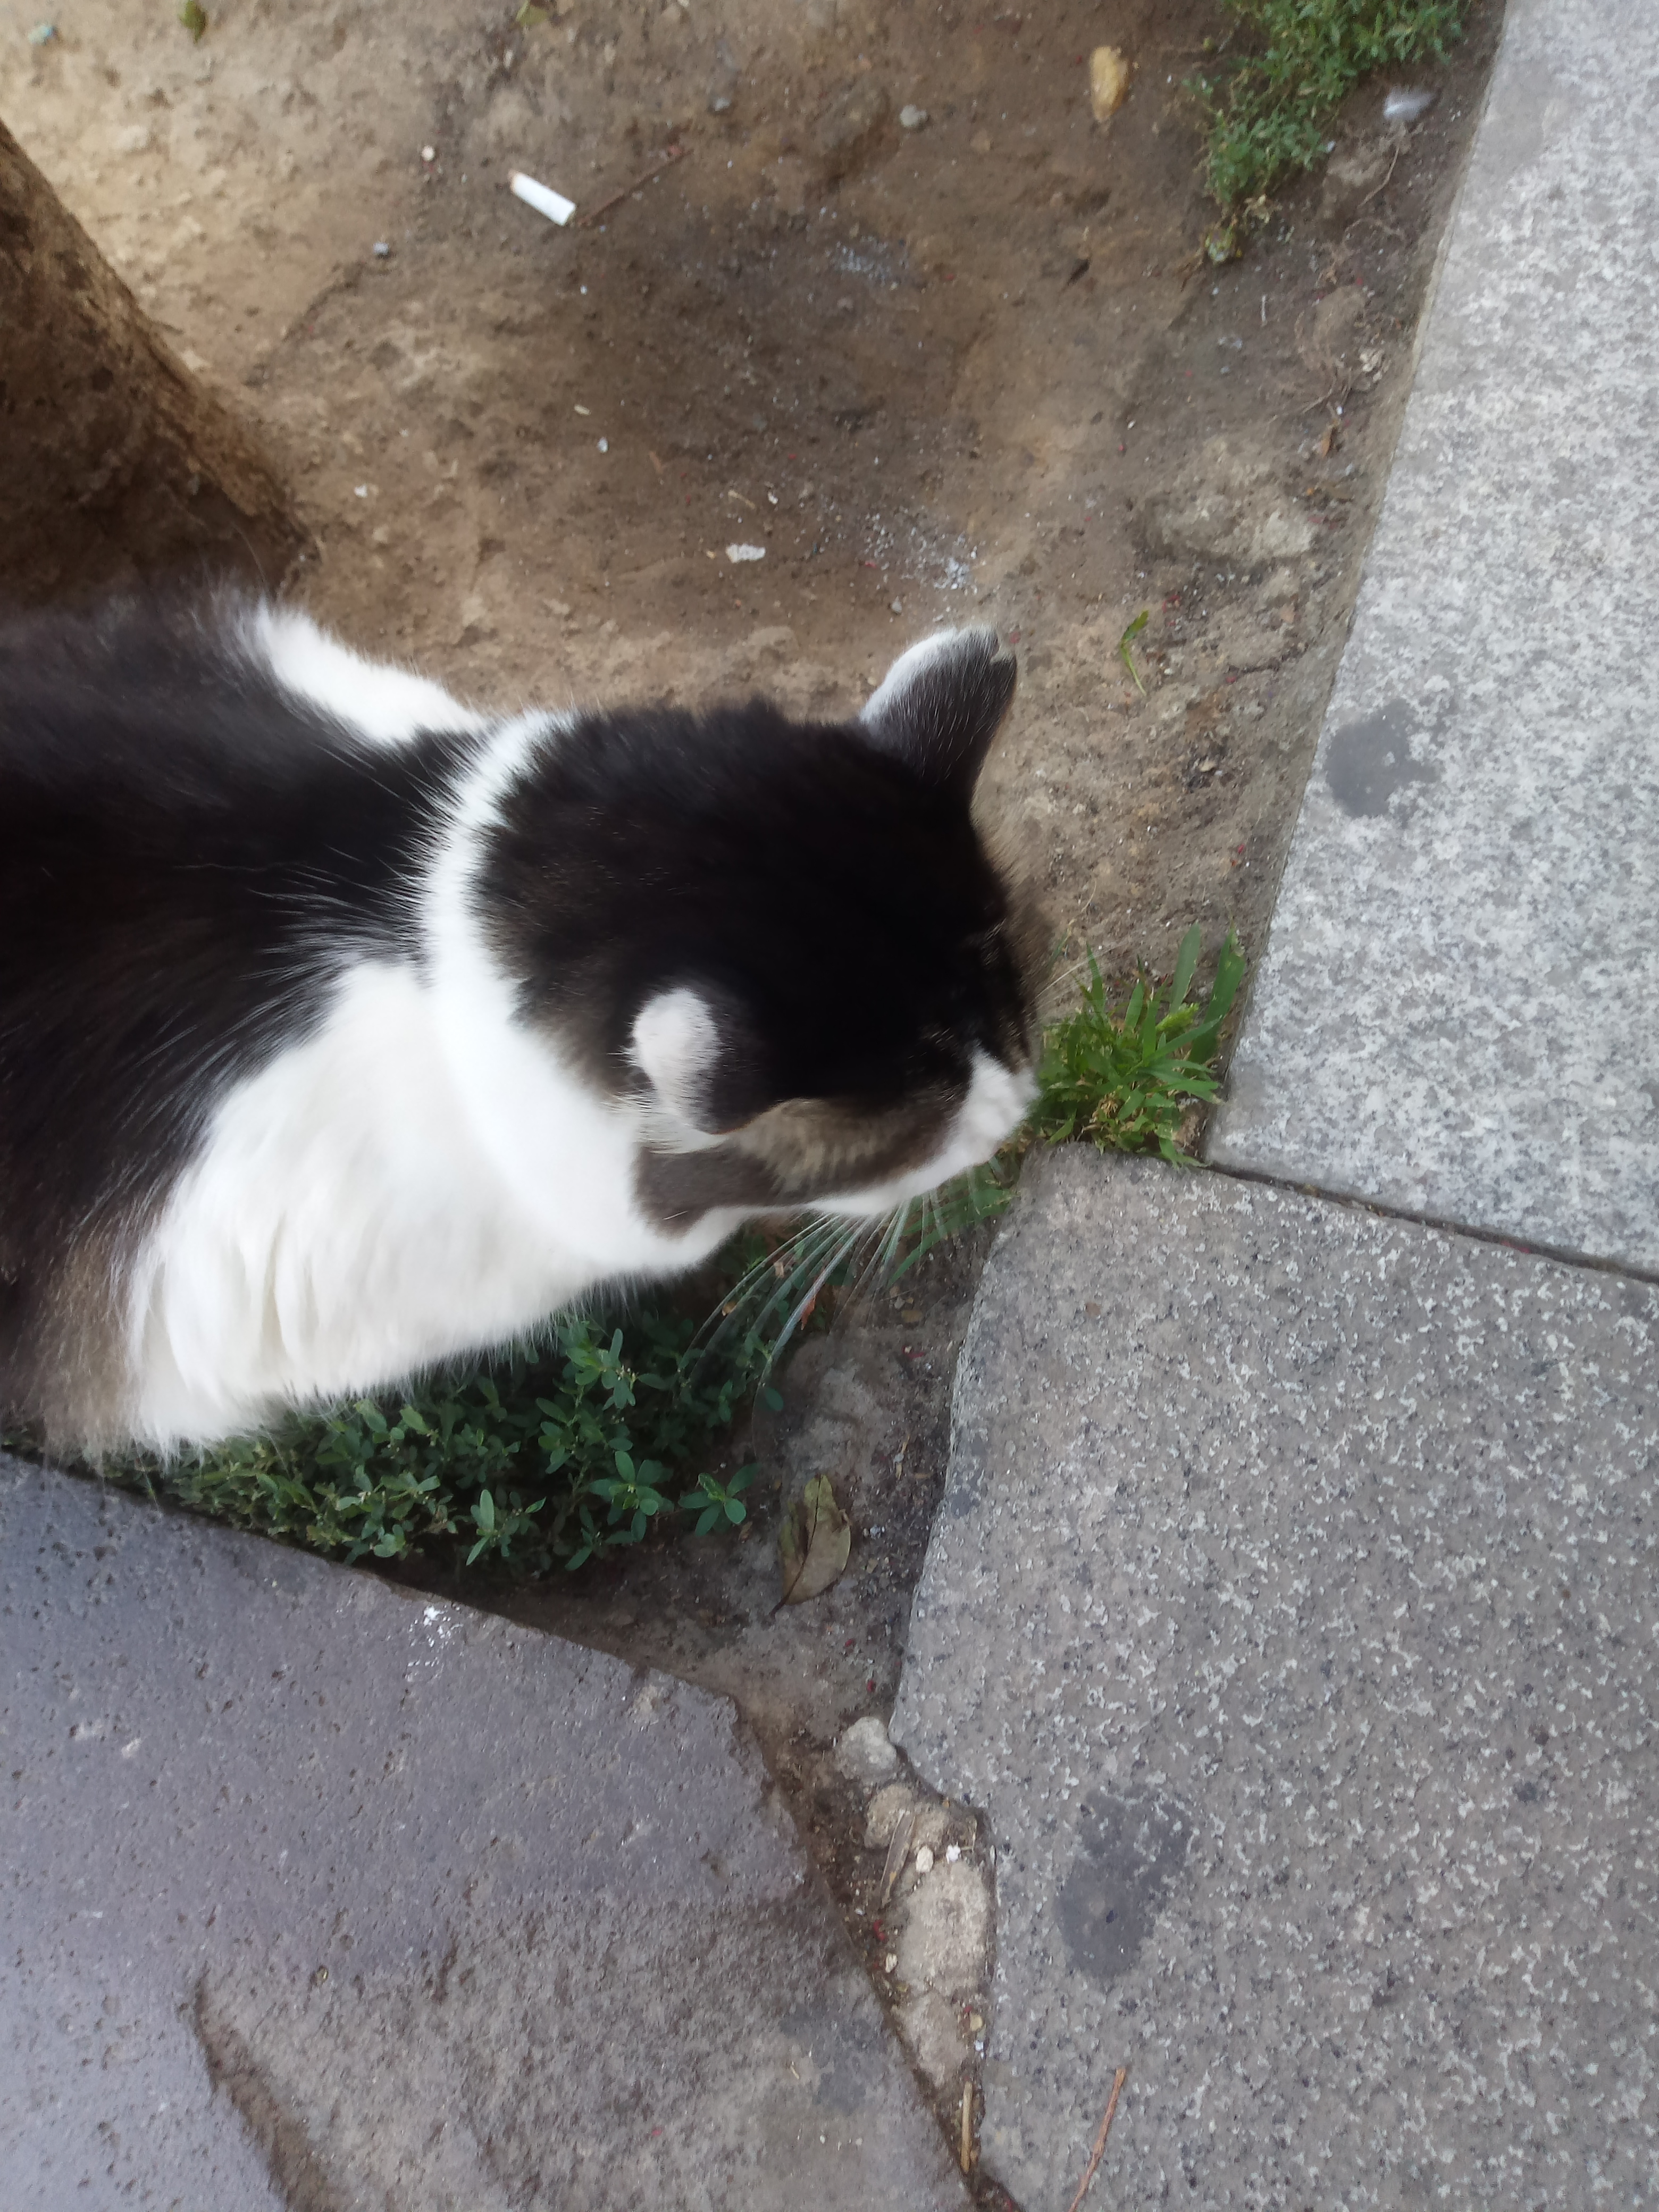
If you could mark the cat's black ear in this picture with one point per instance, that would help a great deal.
(941, 703)
(698, 1050)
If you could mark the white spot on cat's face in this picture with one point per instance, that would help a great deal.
(676, 1044)
(997, 1101)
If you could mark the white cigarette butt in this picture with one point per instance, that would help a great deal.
(735, 553)
(545, 201)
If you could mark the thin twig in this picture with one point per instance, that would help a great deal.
(899, 1850)
(666, 162)
(966, 2152)
(1383, 187)
(1098, 2151)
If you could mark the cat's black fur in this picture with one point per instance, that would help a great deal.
(191, 855)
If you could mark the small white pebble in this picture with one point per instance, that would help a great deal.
(912, 118)
(953, 1853)
(890, 1961)
(925, 1860)
(772, 498)
(736, 553)
(362, 490)
(382, 251)
(604, 445)
(428, 153)
(580, 410)
(896, 607)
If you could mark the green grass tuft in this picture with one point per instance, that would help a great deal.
(1269, 108)
(1126, 1081)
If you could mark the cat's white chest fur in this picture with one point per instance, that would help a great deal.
(403, 1186)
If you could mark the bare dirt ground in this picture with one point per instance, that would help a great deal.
(972, 370)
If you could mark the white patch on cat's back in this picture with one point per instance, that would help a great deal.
(528, 1112)
(389, 705)
(676, 1042)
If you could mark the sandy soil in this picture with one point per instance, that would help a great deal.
(969, 370)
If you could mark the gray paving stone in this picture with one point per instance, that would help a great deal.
(320, 1895)
(1457, 1012)
(1291, 1614)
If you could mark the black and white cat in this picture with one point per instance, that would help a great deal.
(343, 1029)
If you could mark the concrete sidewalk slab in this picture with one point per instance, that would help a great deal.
(1457, 1011)
(1291, 1615)
(320, 1895)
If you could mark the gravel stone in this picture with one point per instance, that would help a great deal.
(864, 1754)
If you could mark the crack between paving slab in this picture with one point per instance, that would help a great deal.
(284, 2147)
(1563, 1255)
(943, 2098)
(985, 2190)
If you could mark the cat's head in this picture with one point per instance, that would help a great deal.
(783, 946)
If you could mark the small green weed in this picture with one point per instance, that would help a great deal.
(1125, 1081)
(1269, 107)
(556, 1455)
(1126, 640)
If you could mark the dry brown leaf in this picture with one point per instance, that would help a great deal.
(816, 1542)
(1109, 81)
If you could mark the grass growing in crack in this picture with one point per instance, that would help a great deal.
(1269, 106)
(1126, 1080)
(556, 1455)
